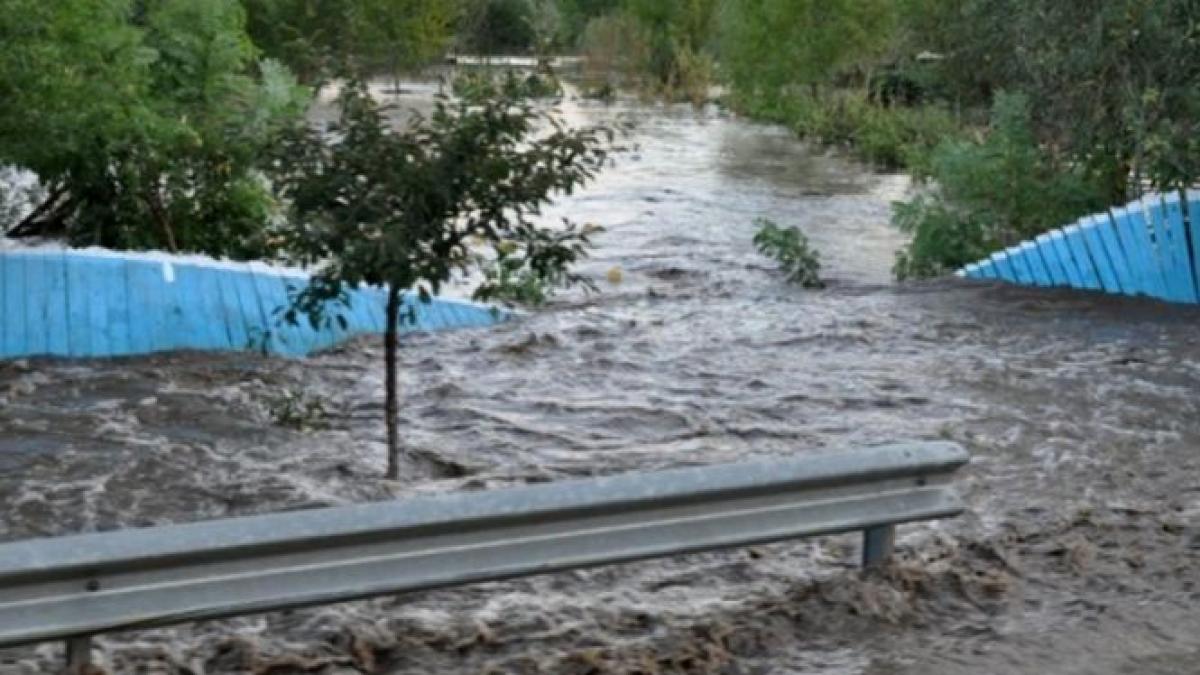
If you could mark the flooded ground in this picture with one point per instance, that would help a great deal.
(1080, 552)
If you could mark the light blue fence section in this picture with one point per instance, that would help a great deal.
(1149, 247)
(101, 304)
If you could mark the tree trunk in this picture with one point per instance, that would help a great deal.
(391, 408)
(41, 219)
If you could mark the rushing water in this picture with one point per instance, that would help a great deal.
(1080, 553)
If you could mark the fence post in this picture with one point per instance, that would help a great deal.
(79, 655)
(877, 545)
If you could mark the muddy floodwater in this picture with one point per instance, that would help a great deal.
(1080, 552)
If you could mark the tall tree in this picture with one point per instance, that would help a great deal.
(411, 209)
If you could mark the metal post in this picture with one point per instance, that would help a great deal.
(877, 545)
(79, 655)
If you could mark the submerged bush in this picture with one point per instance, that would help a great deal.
(986, 195)
(890, 137)
(790, 248)
(514, 282)
(476, 86)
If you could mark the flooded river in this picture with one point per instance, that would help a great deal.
(1080, 552)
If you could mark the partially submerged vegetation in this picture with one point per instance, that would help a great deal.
(800, 263)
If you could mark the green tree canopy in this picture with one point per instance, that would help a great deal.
(146, 121)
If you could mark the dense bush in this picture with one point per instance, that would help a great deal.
(989, 194)
(888, 137)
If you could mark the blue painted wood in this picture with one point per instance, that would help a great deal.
(1058, 275)
(1150, 247)
(1083, 258)
(38, 273)
(89, 304)
(12, 276)
(1037, 266)
(1192, 214)
(1100, 260)
(1120, 266)
(55, 316)
(1175, 271)
(1004, 267)
(1180, 245)
(1058, 242)
(1016, 258)
(1135, 240)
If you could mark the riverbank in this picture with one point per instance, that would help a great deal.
(1080, 552)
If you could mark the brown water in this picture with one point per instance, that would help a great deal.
(1080, 553)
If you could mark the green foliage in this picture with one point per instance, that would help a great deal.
(514, 282)
(888, 137)
(414, 208)
(475, 86)
(790, 248)
(319, 39)
(1114, 82)
(991, 194)
(149, 124)
(675, 49)
(495, 27)
(575, 15)
(401, 34)
(770, 46)
(300, 411)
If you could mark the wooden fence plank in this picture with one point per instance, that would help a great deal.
(1083, 258)
(1059, 242)
(37, 338)
(1100, 260)
(1041, 272)
(1193, 220)
(1004, 268)
(12, 288)
(1058, 275)
(1135, 234)
(1121, 266)
(1180, 245)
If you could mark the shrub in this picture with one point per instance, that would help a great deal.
(989, 194)
(888, 137)
(800, 262)
(478, 86)
(514, 282)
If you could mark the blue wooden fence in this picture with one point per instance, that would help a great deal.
(1149, 247)
(100, 304)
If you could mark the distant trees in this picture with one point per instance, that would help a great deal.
(498, 27)
(321, 38)
(402, 34)
(768, 46)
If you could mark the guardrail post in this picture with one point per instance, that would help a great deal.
(79, 655)
(877, 545)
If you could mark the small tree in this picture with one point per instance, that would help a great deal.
(409, 209)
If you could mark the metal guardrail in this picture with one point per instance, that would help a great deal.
(71, 588)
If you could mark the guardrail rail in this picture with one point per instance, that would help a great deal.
(72, 588)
